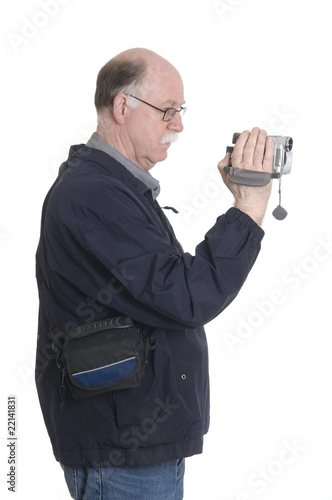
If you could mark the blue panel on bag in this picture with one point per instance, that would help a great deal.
(106, 375)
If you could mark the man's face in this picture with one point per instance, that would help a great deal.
(150, 136)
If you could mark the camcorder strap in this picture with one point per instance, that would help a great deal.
(250, 177)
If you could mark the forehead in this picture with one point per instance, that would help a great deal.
(165, 85)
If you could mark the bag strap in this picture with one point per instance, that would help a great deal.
(41, 270)
(41, 264)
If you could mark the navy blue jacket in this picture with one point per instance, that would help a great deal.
(109, 254)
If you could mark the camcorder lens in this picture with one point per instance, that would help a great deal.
(288, 144)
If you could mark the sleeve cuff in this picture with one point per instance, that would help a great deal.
(234, 215)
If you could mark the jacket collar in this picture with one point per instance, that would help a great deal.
(81, 152)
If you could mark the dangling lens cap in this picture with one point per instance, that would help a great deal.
(279, 213)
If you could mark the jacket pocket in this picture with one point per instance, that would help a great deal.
(142, 412)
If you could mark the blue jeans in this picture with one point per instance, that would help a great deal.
(152, 482)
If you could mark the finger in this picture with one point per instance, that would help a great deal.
(268, 157)
(259, 149)
(249, 150)
(237, 155)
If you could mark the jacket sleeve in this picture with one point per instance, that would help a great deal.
(157, 285)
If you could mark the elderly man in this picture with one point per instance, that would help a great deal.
(110, 252)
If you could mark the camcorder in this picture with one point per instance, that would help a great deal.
(281, 165)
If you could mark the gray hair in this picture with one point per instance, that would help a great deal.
(117, 76)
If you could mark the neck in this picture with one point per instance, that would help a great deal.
(109, 132)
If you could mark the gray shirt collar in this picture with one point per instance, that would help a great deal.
(97, 142)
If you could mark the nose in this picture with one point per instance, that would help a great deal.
(176, 124)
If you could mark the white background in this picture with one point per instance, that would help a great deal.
(244, 63)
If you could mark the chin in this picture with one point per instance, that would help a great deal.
(163, 156)
(160, 156)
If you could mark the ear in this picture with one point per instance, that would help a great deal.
(120, 108)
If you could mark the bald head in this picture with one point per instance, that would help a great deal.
(146, 55)
(150, 59)
(130, 71)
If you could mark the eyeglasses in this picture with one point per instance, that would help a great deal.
(169, 113)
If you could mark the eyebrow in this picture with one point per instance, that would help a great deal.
(172, 103)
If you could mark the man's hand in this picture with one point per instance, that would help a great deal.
(252, 151)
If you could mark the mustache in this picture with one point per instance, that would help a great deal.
(169, 137)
